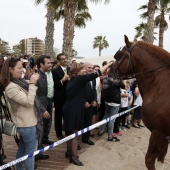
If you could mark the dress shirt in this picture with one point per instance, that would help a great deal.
(50, 85)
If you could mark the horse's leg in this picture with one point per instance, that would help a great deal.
(157, 148)
(162, 155)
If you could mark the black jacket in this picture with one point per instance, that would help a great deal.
(111, 90)
(91, 94)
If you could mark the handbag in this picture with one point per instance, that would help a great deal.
(10, 128)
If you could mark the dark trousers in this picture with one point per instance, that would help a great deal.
(58, 117)
(123, 117)
(116, 125)
(48, 122)
(88, 115)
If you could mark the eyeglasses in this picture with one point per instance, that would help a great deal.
(63, 59)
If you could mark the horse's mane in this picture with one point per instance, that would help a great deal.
(156, 51)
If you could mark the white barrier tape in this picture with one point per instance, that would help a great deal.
(65, 139)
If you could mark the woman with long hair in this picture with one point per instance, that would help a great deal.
(24, 108)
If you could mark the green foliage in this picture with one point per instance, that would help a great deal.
(3, 49)
(74, 53)
(100, 43)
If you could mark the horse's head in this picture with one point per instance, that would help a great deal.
(123, 65)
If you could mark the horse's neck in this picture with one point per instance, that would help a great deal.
(150, 57)
(152, 81)
(159, 66)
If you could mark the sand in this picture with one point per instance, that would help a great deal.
(128, 154)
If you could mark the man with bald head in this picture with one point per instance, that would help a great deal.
(90, 103)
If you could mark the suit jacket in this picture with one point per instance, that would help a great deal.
(42, 91)
(59, 88)
(22, 104)
(91, 94)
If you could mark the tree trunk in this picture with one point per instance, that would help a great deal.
(161, 30)
(49, 39)
(100, 52)
(69, 22)
(150, 21)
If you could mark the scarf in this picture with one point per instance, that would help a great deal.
(25, 85)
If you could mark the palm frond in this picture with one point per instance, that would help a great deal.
(143, 7)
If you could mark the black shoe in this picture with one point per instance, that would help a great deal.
(92, 135)
(60, 137)
(89, 142)
(127, 126)
(135, 126)
(41, 156)
(76, 162)
(114, 139)
(3, 163)
(48, 142)
(78, 147)
(69, 155)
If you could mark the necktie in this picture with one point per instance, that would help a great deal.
(65, 71)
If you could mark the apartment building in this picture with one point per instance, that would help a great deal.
(4, 46)
(34, 46)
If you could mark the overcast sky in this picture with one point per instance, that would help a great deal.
(21, 19)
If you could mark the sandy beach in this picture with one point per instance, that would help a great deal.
(128, 154)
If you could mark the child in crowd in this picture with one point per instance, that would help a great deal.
(126, 100)
(137, 120)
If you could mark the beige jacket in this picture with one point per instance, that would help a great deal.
(22, 104)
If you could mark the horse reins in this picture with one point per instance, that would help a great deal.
(133, 75)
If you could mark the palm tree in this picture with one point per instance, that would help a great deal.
(150, 20)
(81, 16)
(49, 38)
(69, 22)
(74, 53)
(141, 31)
(163, 9)
(100, 42)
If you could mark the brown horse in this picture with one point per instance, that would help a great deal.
(150, 65)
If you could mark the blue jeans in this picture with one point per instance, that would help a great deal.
(109, 111)
(27, 144)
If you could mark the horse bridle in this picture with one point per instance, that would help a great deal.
(127, 53)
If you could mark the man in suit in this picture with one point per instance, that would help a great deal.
(61, 78)
(43, 65)
(90, 104)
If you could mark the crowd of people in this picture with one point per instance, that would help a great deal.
(82, 94)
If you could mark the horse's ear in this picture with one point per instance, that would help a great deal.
(135, 40)
(128, 44)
